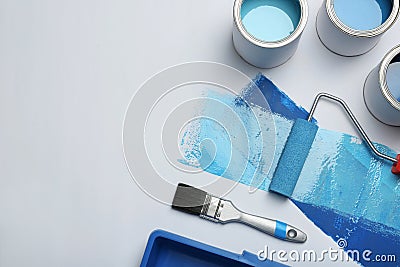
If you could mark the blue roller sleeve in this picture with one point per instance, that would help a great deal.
(280, 230)
(293, 157)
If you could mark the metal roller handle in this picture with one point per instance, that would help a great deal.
(355, 121)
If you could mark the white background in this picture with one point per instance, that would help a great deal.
(67, 72)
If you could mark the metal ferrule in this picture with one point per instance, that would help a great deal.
(264, 54)
(377, 96)
(211, 208)
(345, 41)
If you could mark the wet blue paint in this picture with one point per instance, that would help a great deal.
(279, 102)
(221, 145)
(341, 173)
(270, 20)
(340, 179)
(393, 79)
(245, 164)
(359, 233)
(363, 14)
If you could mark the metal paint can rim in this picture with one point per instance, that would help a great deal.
(384, 65)
(362, 33)
(280, 43)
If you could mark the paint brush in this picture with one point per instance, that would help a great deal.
(198, 202)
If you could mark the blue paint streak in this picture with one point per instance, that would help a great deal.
(222, 146)
(270, 20)
(363, 14)
(280, 230)
(279, 102)
(360, 234)
(342, 174)
(339, 175)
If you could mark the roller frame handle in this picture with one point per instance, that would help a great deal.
(396, 166)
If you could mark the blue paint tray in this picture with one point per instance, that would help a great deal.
(165, 249)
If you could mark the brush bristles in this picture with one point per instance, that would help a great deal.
(189, 199)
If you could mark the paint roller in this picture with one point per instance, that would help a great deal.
(299, 143)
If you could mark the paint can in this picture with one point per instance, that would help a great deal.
(382, 89)
(266, 33)
(354, 27)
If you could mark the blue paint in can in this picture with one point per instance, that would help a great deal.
(393, 78)
(270, 20)
(363, 15)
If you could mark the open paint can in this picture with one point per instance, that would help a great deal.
(354, 27)
(382, 89)
(266, 33)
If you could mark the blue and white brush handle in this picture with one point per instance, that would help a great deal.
(223, 211)
(275, 228)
